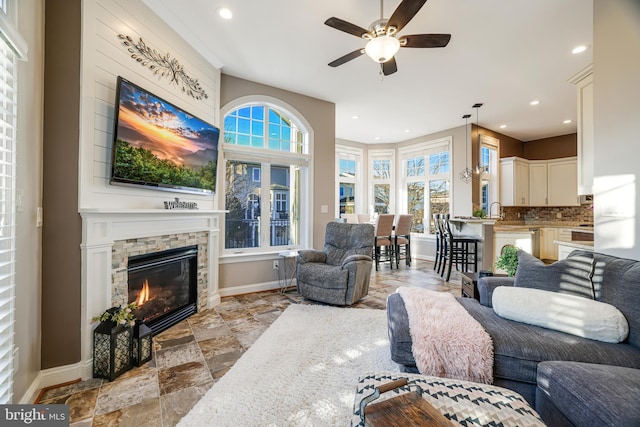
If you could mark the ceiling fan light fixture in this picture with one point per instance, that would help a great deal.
(382, 48)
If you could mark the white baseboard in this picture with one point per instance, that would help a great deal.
(248, 289)
(57, 375)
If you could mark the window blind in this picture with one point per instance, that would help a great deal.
(7, 217)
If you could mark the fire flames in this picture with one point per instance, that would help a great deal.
(143, 296)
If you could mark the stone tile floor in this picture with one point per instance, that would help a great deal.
(192, 355)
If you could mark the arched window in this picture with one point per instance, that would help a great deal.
(266, 182)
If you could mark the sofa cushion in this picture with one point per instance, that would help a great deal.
(617, 282)
(562, 312)
(587, 394)
(570, 276)
(519, 347)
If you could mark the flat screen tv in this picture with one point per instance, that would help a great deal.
(160, 146)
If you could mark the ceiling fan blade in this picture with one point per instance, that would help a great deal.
(404, 13)
(389, 67)
(425, 40)
(346, 58)
(347, 27)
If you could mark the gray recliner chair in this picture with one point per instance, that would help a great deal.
(340, 273)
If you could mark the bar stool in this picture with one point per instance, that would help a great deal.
(439, 243)
(459, 250)
(384, 231)
(403, 239)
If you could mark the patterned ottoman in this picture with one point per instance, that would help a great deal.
(462, 402)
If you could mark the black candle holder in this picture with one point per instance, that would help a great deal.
(112, 350)
(142, 344)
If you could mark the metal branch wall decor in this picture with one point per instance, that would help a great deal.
(163, 65)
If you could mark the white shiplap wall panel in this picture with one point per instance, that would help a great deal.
(104, 58)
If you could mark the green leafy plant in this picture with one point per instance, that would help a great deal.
(479, 213)
(508, 260)
(122, 315)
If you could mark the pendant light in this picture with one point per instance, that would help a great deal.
(480, 169)
(467, 174)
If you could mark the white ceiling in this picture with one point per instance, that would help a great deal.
(503, 53)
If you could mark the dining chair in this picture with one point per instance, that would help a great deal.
(351, 218)
(364, 219)
(402, 239)
(384, 238)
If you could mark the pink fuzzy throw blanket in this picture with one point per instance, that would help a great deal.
(447, 341)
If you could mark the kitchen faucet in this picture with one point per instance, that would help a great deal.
(500, 210)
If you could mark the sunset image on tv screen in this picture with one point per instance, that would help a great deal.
(159, 144)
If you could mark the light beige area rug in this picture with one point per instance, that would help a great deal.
(302, 371)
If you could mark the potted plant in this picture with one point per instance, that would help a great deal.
(479, 213)
(508, 260)
(113, 342)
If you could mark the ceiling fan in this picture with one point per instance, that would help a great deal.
(383, 40)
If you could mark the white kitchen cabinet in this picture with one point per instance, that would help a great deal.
(564, 251)
(564, 234)
(553, 182)
(514, 181)
(548, 249)
(538, 184)
(562, 183)
(584, 84)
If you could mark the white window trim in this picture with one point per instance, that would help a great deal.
(356, 154)
(253, 154)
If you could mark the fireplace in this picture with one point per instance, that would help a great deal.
(164, 286)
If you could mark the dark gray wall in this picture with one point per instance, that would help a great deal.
(62, 228)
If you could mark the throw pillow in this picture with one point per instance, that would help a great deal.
(568, 276)
(566, 313)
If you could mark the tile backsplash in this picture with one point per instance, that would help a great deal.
(582, 213)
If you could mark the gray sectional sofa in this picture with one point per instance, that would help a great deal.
(570, 380)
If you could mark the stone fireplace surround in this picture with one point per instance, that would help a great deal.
(106, 232)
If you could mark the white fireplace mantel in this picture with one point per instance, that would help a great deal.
(102, 227)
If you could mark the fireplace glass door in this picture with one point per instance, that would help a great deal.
(164, 286)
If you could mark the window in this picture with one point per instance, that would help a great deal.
(381, 181)
(426, 183)
(266, 155)
(347, 175)
(12, 47)
(489, 191)
(349, 185)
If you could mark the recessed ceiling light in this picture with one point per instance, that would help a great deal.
(225, 13)
(578, 49)
(503, 126)
(407, 130)
(377, 138)
(566, 122)
(534, 102)
(355, 117)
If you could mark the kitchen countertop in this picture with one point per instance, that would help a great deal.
(474, 220)
(569, 225)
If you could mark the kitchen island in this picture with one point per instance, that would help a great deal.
(481, 229)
